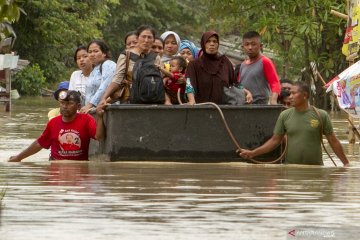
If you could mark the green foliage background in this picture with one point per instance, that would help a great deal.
(29, 80)
(178, 16)
(52, 29)
(299, 32)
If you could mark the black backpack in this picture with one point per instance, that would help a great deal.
(147, 82)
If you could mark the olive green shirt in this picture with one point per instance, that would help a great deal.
(303, 131)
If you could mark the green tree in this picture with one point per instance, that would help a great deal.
(300, 32)
(29, 81)
(10, 10)
(174, 15)
(52, 29)
(9, 13)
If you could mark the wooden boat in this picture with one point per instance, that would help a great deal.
(46, 92)
(183, 133)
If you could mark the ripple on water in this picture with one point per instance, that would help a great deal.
(168, 200)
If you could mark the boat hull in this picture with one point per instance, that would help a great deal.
(183, 133)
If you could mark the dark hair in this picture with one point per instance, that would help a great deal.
(132, 33)
(181, 61)
(103, 47)
(284, 93)
(73, 95)
(285, 80)
(82, 47)
(251, 34)
(303, 87)
(158, 38)
(142, 28)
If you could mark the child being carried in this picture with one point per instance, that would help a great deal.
(173, 87)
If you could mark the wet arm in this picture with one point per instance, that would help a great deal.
(337, 148)
(32, 149)
(268, 146)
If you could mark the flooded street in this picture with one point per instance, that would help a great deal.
(141, 200)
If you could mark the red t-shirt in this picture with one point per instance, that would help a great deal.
(172, 85)
(268, 72)
(69, 140)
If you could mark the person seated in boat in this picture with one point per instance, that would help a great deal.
(188, 50)
(67, 135)
(257, 72)
(158, 46)
(171, 47)
(79, 78)
(211, 72)
(304, 126)
(130, 40)
(173, 89)
(101, 75)
(286, 84)
(63, 86)
(124, 69)
(284, 98)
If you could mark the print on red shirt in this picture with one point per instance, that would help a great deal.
(70, 142)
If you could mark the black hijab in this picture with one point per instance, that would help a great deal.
(211, 63)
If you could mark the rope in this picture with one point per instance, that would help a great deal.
(321, 135)
(354, 129)
(239, 149)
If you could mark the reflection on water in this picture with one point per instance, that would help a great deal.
(174, 200)
(138, 200)
(23, 125)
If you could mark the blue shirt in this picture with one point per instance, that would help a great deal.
(99, 81)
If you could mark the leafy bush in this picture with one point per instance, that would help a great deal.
(29, 81)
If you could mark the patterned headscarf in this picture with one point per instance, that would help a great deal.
(191, 46)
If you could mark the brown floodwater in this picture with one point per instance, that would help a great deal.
(142, 200)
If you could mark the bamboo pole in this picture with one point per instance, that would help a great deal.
(320, 77)
(339, 14)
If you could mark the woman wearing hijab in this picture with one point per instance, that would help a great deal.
(188, 50)
(171, 45)
(211, 72)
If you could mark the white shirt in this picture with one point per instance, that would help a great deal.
(78, 82)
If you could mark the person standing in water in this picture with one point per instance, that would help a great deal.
(67, 135)
(304, 126)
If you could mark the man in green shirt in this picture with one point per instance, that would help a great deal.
(304, 130)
